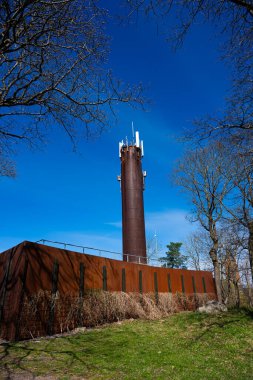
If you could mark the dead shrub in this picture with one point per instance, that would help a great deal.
(99, 307)
(167, 304)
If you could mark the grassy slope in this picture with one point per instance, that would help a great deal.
(184, 346)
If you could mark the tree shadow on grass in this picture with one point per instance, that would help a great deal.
(210, 326)
(247, 311)
(6, 363)
(15, 357)
(216, 322)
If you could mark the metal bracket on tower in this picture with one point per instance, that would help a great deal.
(119, 179)
(144, 173)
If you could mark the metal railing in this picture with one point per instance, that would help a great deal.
(104, 253)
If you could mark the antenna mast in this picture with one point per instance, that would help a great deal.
(133, 131)
(132, 186)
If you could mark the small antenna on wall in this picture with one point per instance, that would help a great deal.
(133, 130)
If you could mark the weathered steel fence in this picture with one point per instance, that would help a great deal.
(30, 268)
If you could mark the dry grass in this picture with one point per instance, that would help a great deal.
(98, 307)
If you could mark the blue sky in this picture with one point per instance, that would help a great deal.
(75, 197)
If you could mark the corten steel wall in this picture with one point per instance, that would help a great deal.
(133, 225)
(29, 268)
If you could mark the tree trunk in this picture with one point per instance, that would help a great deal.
(216, 266)
(250, 248)
(236, 281)
(232, 279)
(237, 294)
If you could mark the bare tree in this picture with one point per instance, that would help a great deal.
(53, 70)
(246, 279)
(231, 252)
(197, 247)
(234, 128)
(7, 168)
(240, 204)
(200, 175)
(234, 20)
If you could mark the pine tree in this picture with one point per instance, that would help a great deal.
(174, 258)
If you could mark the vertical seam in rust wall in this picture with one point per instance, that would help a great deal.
(140, 281)
(81, 280)
(169, 283)
(193, 285)
(81, 292)
(21, 301)
(204, 284)
(182, 282)
(123, 279)
(55, 275)
(104, 278)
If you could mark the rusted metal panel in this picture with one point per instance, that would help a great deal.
(133, 224)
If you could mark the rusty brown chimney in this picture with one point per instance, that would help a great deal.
(132, 186)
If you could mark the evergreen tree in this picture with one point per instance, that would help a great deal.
(174, 258)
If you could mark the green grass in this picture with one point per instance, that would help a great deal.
(183, 346)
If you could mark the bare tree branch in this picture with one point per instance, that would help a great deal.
(53, 69)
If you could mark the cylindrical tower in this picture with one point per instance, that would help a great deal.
(132, 186)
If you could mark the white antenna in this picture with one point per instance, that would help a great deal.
(120, 147)
(142, 148)
(133, 130)
(137, 139)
